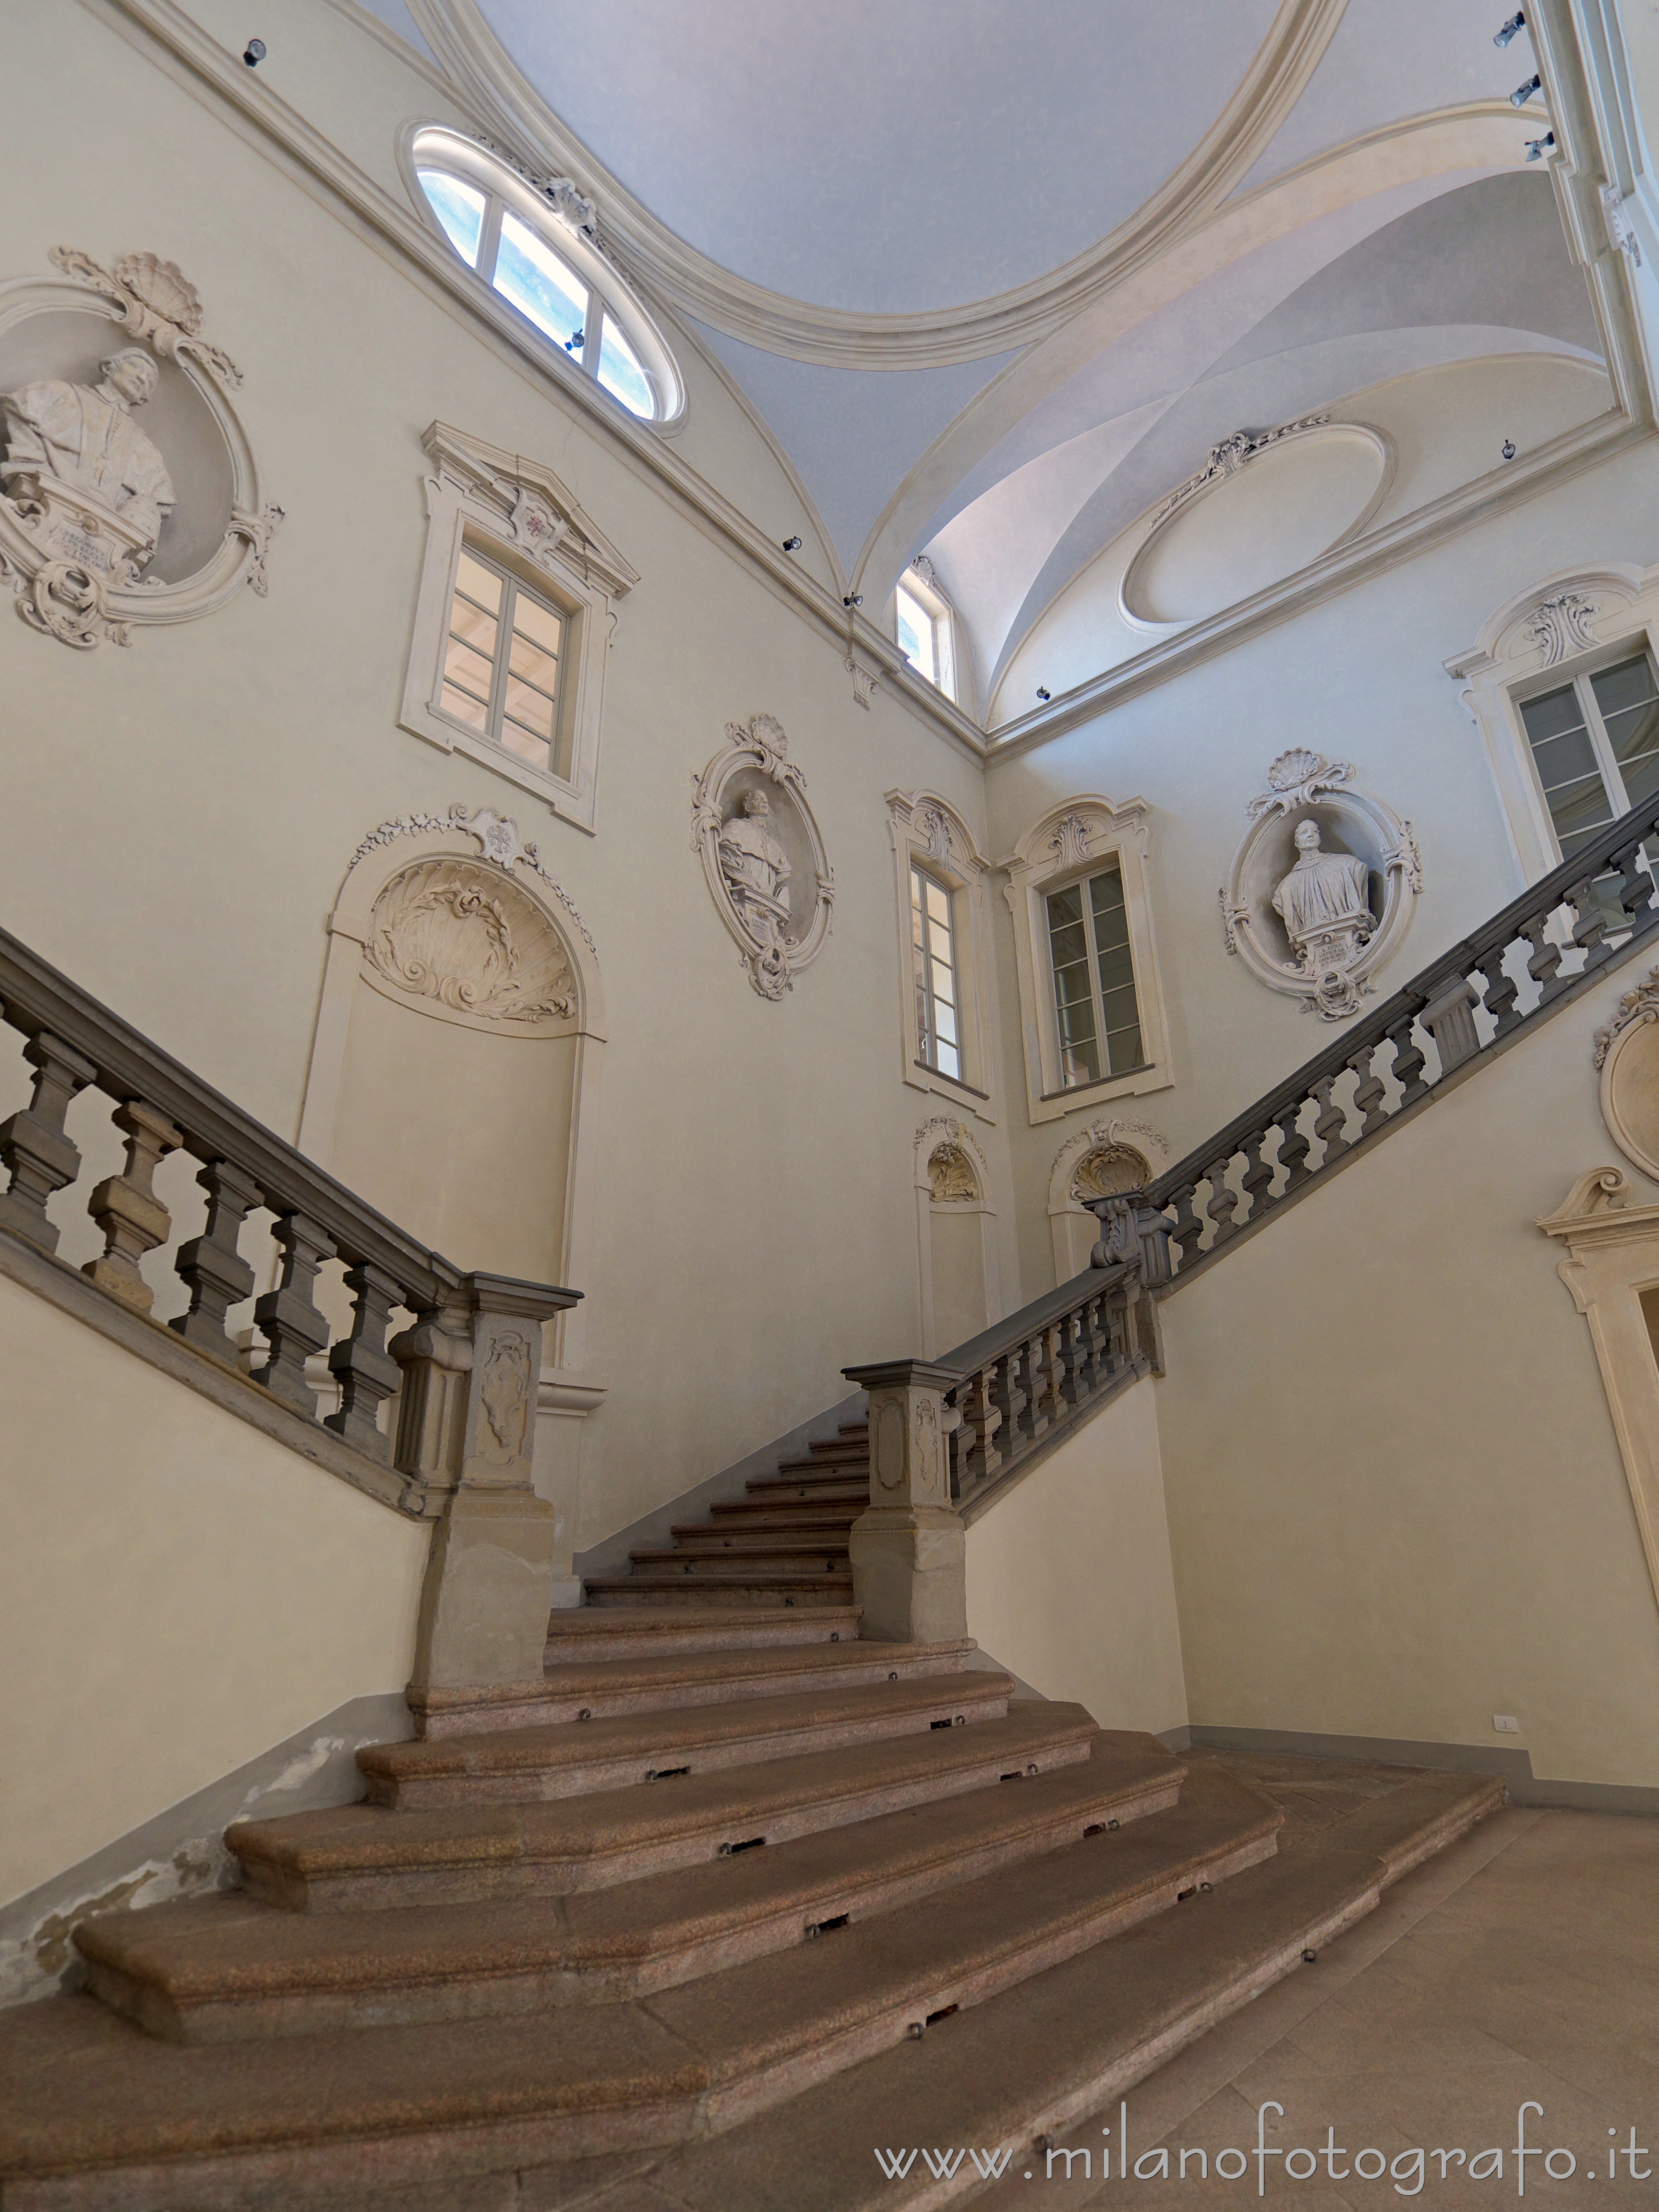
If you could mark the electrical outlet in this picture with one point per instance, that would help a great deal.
(1506, 1723)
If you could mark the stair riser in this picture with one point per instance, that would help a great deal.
(773, 1562)
(762, 1593)
(532, 1786)
(608, 1704)
(833, 1498)
(771, 1528)
(579, 1979)
(602, 1870)
(757, 2091)
(620, 1642)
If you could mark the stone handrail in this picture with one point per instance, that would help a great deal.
(1468, 1004)
(463, 1370)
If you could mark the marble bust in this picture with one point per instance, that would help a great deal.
(82, 471)
(756, 866)
(1324, 903)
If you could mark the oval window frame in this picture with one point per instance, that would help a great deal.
(437, 146)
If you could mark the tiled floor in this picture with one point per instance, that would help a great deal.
(1521, 1965)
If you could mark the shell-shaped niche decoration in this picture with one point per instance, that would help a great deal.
(1108, 1171)
(1628, 1054)
(1321, 890)
(951, 1177)
(465, 943)
(768, 873)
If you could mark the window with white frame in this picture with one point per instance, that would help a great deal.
(1594, 745)
(945, 954)
(925, 627)
(1092, 1005)
(1091, 968)
(933, 963)
(520, 242)
(501, 662)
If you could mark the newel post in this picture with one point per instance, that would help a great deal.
(909, 1550)
(465, 1437)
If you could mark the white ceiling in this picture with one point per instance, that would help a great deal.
(894, 161)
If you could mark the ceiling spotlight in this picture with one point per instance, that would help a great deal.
(576, 338)
(854, 599)
(255, 52)
(1516, 23)
(1523, 93)
(1535, 146)
(1509, 449)
(792, 545)
(1044, 695)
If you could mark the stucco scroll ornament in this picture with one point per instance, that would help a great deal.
(1641, 1004)
(1561, 625)
(1227, 459)
(87, 494)
(1626, 1054)
(1321, 889)
(499, 841)
(444, 930)
(505, 1394)
(747, 803)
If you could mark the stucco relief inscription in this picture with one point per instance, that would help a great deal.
(444, 931)
(505, 1394)
(763, 855)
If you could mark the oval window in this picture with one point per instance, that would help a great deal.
(525, 249)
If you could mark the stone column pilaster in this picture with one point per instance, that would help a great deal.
(908, 1551)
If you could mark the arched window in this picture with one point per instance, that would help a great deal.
(527, 248)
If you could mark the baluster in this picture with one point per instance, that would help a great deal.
(981, 1419)
(1635, 887)
(1292, 1147)
(1331, 1125)
(42, 1158)
(367, 1374)
(126, 1207)
(1223, 1200)
(1369, 1092)
(211, 1266)
(1187, 1228)
(1075, 1358)
(1009, 1401)
(293, 1327)
(1545, 954)
(1096, 1341)
(1499, 994)
(1258, 1175)
(1408, 1062)
(1117, 1322)
(1589, 929)
(1046, 1371)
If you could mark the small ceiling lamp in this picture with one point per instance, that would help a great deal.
(1516, 23)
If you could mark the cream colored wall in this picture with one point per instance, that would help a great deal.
(1396, 1502)
(1069, 1575)
(1358, 678)
(177, 1592)
(197, 797)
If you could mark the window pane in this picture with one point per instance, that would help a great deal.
(480, 583)
(1641, 778)
(939, 903)
(532, 276)
(1080, 1056)
(1565, 759)
(620, 372)
(464, 708)
(1618, 689)
(471, 670)
(534, 621)
(915, 634)
(527, 744)
(1118, 975)
(1577, 810)
(459, 208)
(534, 709)
(950, 1060)
(1555, 712)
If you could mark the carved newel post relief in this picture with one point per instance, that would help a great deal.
(762, 856)
(128, 492)
(1321, 890)
(909, 1550)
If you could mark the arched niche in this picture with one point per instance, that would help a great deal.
(956, 1236)
(1107, 1156)
(454, 1073)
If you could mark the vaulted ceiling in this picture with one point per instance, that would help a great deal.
(997, 276)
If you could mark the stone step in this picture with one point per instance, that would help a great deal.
(823, 1553)
(604, 1688)
(132, 2123)
(517, 1766)
(228, 1968)
(757, 1589)
(1047, 2056)
(828, 1467)
(582, 1634)
(807, 1522)
(768, 1491)
(357, 1856)
(812, 1501)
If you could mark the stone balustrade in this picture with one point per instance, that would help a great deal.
(437, 1419)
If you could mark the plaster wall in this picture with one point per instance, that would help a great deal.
(1070, 1580)
(1358, 678)
(177, 1592)
(209, 784)
(1396, 1501)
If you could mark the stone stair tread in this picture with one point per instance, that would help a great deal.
(678, 1677)
(760, 1589)
(806, 1524)
(785, 1546)
(578, 1634)
(809, 1475)
(1062, 2044)
(780, 1795)
(230, 1949)
(672, 1737)
(828, 1500)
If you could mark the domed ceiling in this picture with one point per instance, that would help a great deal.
(996, 278)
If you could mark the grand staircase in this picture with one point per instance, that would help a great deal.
(731, 1897)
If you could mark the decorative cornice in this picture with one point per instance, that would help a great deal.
(498, 840)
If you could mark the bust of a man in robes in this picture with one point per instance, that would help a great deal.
(1324, 903)
(756, 866)
(74, 455)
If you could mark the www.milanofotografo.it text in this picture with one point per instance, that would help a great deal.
(1528, 2158)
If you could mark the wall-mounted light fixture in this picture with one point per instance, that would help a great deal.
(1537, 147)
(576, 338)
(1516, 23)
(254, 53)
(1523, 93)
(1509, 449)
(1044, 695)
(792, 545)
(854, 599)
